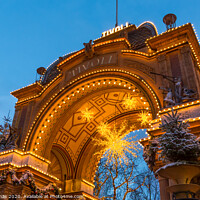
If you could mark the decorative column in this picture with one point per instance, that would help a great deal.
(163, 183)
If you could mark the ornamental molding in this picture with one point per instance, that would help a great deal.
(141, 67)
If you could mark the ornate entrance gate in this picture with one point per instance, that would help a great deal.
(100, 77)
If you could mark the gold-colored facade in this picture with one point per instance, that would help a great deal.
(53, 136)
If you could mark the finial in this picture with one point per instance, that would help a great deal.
(170, 21)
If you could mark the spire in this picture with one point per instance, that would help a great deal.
(116, 13)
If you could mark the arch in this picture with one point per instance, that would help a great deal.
(65, 161)
(71, 94)
(48, 112)
(49, 133)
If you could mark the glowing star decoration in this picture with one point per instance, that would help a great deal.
(144, 118)
(113, 142)
(130, 102)
(87, 115)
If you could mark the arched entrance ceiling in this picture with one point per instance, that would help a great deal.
(75, 132)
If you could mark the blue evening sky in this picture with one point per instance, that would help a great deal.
(34, 33)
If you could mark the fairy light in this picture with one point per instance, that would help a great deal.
(154, 53)
(61, 63)
(144, 118)
(95, 45)
(166, 48)
(177, 107)
(169, 30)
(25, 153)
(195, 55)
(130, 102)
(87, 114)
(119, 40)
(112, 141)
(191, 120)
(195, 33)
(35, 96)
(104, 83)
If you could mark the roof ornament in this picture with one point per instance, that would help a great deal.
(60, 59)
(170, 21)
(40, 71)
(89, 49)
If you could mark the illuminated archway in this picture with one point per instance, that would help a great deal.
(61, 125)
(48, 112)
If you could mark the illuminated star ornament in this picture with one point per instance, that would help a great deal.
(113, 142)
(130, 102)
(87, 114)
(144, 118)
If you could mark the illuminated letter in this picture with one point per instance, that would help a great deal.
(112, 31)
(127, 24)
(104, 33)
(117, 28)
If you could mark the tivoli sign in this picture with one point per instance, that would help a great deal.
(107, 59)
(116, 29)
